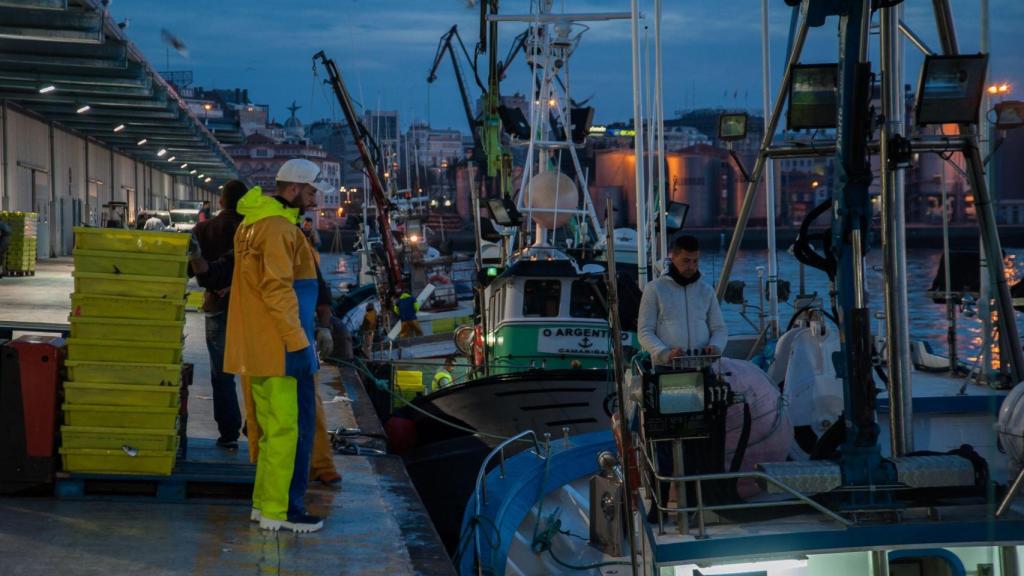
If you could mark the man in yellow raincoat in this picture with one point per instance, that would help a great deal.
(271, 323)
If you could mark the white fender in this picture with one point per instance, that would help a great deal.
(771, 433)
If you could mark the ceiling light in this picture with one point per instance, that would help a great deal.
(141, 142)
(47, 89)
(171, 159)
(208, 180)
(221, 187)
(193, 171)
(83, 109)
(201, 176)
(119, 127)
(161, 152)
(185, 165)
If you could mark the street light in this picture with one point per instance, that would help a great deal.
(1003, 88)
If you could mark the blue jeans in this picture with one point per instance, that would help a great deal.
(225, 396)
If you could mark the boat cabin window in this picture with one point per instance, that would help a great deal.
(541, 298)
(586, 298)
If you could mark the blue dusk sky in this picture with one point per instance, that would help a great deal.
(384, 48)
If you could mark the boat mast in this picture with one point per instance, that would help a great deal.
(638, 151)
(659, 110)
(769, 185)
(897, 341)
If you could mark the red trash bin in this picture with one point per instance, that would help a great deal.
(30, 384)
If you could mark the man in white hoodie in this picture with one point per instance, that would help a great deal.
(679, 314)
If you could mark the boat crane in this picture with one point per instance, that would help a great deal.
(380, 199)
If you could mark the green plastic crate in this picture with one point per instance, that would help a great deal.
(119, 461)
(132, 263)
(99, 306)
(124, 329)
(121, 395)
(117, 438)
(120, 240)
(124, 351)
(124, 373)
(146, 417)
(130, 285)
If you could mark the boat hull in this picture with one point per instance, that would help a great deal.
(443, 461)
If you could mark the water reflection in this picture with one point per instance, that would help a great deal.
(927, 318)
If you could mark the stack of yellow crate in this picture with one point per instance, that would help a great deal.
(21, 252)
(125, 352)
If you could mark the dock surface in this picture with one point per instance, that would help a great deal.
(375, 523)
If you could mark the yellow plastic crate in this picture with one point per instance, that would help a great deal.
(119, 240)
(124, 329)
(124, 373)
(117, 438)
(146, 417)
(409, 384)
(124, 351)
(119, 461)
(121, 395)
(99, 306)
(194, 300)
(130, 285)
(134, 263)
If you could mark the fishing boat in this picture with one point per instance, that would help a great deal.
(888, 478)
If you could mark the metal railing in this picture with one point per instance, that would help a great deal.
(480, 488)
(649, 471)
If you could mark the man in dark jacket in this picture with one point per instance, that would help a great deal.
(215, 237)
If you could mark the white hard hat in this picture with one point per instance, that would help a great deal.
(302, 171)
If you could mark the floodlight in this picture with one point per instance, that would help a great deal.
(514, 122)
(950, 88)
(1009, 114)
(813, 97)
(675, 215)
(504, 212)
(732, 127)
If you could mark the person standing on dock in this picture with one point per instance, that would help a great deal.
(271, 323)
(216, 238)
(679, 313)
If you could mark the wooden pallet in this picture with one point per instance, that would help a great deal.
(190, 480)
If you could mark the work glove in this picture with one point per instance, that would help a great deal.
(301, 363)
(324, 342)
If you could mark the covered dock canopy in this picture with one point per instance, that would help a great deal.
(69, 62)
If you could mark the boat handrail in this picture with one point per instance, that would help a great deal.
(700, 509)
(480, 488)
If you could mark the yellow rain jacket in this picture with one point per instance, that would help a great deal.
(268, 310)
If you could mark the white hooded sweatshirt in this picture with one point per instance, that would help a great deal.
(673, 316)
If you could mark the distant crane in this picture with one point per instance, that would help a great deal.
(445, 46)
